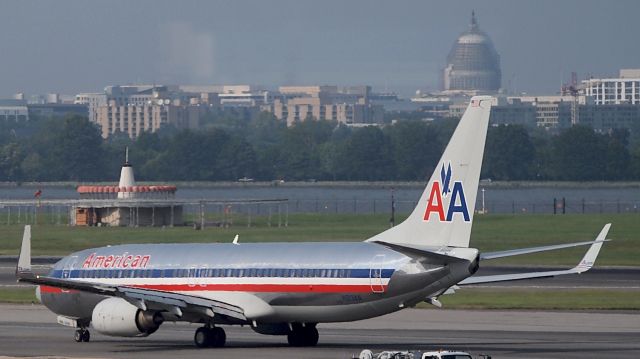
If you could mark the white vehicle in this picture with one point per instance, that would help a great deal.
(440, 354)
(446, 354)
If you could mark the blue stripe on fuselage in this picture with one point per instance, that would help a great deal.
(218, 273)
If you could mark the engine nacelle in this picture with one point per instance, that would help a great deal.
(117, 317)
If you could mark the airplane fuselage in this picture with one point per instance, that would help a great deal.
(274, 283)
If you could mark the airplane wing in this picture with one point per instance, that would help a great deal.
(584, 265)
(141, 298)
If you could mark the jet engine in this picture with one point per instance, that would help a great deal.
(117, 317)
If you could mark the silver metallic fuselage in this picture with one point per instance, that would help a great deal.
(272, 282)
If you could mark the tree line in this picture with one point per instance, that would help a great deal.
(232, 144)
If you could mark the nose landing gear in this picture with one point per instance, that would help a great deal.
(82, 335)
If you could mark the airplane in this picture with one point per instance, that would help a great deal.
(288, 288)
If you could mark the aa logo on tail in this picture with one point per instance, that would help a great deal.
(442, 192)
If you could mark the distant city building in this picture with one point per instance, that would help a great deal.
(136, 119)
(622, 90)
(58, 110)
(473, 64)
(134, 109)
(20, 110)
(229, 96)
(92, 101)
(348, 105)
(14, 110)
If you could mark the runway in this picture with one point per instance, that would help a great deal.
(27, 330)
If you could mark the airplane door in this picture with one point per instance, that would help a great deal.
(203, 275)
(191, 277)
(375, 274)
(68, 267)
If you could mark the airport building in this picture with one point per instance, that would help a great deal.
(127, 204)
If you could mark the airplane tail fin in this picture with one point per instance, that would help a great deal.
(444, 214)
(24, 260)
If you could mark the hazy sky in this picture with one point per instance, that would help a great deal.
(79, 46)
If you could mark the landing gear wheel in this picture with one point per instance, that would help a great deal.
(303, 336)
(210, 337)
(81, 335)
(202, 337)
(219, 337)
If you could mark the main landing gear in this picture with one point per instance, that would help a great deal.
(82, 335)
(214, 337)
(303, 336)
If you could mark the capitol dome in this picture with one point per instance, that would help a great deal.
(473, 63)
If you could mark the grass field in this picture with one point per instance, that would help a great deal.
(490, 232)
(18, 295)
(541, 298)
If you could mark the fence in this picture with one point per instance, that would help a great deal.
(276, 213)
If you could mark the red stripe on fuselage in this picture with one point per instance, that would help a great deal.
(276, 288)
(55, 290)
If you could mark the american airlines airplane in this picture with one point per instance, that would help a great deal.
(288, 288)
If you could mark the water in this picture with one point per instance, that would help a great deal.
(377, 199)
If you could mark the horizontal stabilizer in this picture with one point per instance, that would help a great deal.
(584, 265)
(421, 253)
(517, 252)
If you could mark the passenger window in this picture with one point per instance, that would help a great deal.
(341, 273)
